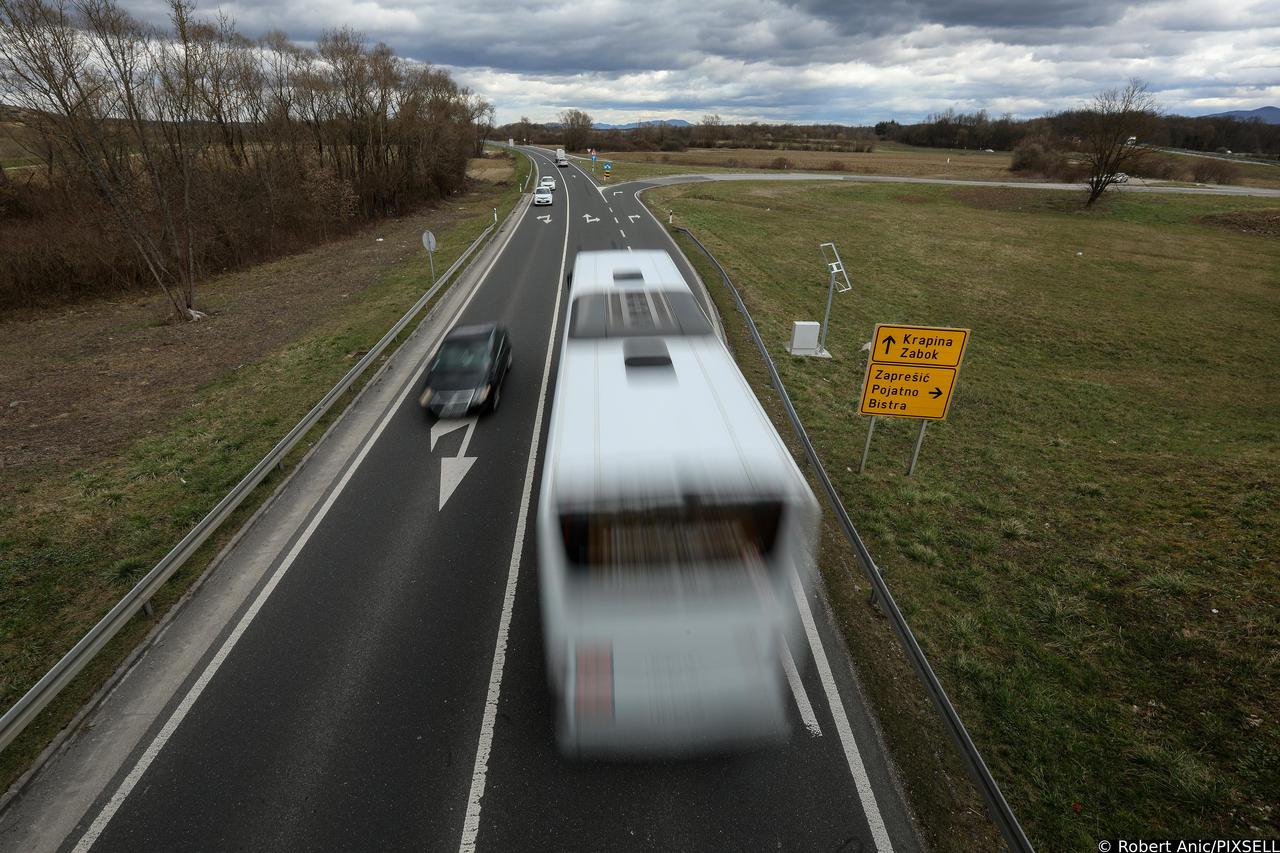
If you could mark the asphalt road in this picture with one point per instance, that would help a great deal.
(383, 688)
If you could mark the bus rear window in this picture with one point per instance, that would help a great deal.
(670, 537)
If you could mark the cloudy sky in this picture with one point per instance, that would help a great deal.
(808, 60)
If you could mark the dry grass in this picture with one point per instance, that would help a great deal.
(895, 160)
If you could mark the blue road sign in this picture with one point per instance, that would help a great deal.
(608, 167)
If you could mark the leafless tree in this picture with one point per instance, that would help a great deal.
(1113, 117)
(577, 129)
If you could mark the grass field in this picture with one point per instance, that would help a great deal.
(79, 528)
(1087, 550)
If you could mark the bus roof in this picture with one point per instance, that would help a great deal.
(594, 272)
(661, 431)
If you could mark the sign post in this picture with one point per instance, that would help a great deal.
(911, 374)
(429, 243)
(835, 268)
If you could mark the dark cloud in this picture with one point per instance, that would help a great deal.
(803, 59)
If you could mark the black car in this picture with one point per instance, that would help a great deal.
(467, 372)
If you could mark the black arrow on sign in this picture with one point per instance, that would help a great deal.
(936, 392)
(888, 342)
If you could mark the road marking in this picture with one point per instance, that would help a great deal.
(188, 701)
(633, 217)
(453, 468)
(623, 233)
(860, 779)
(545, 218)
(615, 221)
(617, 192)
(471, 822)
(589, 218)
(797, 690)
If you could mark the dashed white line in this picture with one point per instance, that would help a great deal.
(623, 233)
(797, 690)
(471, 823)
(860, 779)
(615, 220)
(224, 651)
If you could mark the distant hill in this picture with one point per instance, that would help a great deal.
(1269, 115)
(669, 122)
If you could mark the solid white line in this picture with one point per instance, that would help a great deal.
(797, 690)
(471, 823)
(863, 782)
(184, 707)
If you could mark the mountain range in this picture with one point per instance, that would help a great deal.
(669, 122)
(1269, 115)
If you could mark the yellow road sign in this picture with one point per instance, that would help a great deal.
(912, 371)
(924, 346)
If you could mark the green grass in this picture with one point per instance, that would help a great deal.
(73, 543)
(1087, 549)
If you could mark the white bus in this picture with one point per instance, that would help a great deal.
(670, 523)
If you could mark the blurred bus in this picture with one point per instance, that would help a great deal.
(670, 521)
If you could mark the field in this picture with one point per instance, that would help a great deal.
(887, 159)
(1087, 550)
(122, 430)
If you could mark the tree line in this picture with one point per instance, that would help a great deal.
(947, 129)
(164, 155)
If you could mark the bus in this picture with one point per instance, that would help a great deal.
(672, 523)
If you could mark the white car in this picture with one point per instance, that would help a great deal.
(548, 182)
(542, 195)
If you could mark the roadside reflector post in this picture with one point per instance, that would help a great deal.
(915, 454)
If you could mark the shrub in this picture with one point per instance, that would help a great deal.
(836, 166)
(1210, 171)
(781, 163)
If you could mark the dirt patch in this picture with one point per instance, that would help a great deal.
(1263, 223)
(79, 384)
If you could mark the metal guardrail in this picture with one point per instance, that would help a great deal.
(998, 808)
(34, 701)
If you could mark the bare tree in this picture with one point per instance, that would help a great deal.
(577, 129)
(1112, 118)
(708, 130)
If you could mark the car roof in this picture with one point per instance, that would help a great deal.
(479, 330)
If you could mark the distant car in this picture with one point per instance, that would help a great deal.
(542, 195)
(548, 182)
(467, 372)
(990, 150)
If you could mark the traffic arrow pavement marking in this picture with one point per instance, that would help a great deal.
(453, 468)
(589, 218)
(633, 216)
(546, 217)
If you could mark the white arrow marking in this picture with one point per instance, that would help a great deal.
(589, 218)
(617, 192)
(546, 218)
(633, 217)
(453, 468)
